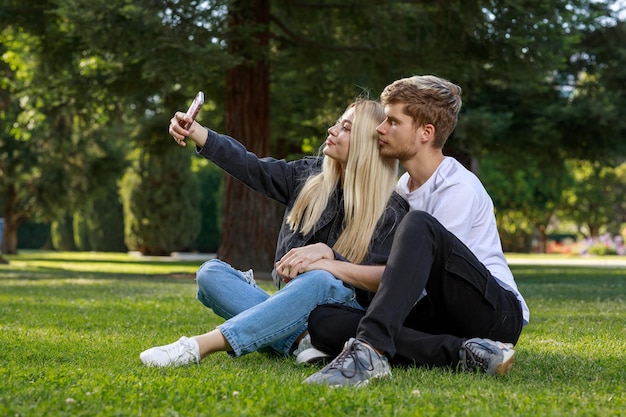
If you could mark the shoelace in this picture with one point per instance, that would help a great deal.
(351, 353)
(180, 349)
(477, 355)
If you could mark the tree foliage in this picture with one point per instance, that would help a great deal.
(87, 88)
(160, 196)
(53, 150)
(595, 200)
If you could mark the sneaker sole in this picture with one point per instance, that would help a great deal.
(505, 367)
(363, 383)
(316, 361)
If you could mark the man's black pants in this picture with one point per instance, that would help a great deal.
(462, 301)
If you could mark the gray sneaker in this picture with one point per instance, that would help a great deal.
(494, 358)
(183, 352)
(356, 365)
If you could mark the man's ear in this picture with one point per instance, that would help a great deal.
(428, 132)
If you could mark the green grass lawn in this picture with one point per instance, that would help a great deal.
(72, 326)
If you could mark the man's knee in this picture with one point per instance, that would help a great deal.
(420, 219)
(321, 321)
(417, 223)
(331, 325)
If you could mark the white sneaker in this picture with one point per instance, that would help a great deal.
(303, 344)
(307, 353)
(183, 352)
(311, 356)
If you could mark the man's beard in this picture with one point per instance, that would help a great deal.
(388, 152)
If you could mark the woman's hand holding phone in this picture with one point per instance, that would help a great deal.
(193, 110)
(180, 124)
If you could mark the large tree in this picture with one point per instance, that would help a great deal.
(246, 216)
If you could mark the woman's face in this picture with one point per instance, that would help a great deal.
(338, 140)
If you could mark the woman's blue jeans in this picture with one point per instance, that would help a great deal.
(257, 321)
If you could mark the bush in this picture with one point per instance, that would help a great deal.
(516, 231)
(63, 234)
(603, 245)
(99, 226)
(33, 235)
(160, 199)
(211, 180)
(81, 229)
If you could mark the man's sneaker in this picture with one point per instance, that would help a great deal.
(183, 352)
(307, 353)
(494, 358)
(356, 365)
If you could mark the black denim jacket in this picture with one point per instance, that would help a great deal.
(282, 181)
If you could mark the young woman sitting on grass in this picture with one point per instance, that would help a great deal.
(339, 207)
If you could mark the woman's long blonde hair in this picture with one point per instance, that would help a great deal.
(367, 186)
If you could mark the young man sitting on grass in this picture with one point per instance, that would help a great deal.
(447, 296)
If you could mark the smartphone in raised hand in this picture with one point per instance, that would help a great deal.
(195, 107)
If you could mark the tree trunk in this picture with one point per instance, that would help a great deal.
(594, 229)
(250, 223)
(543, 240)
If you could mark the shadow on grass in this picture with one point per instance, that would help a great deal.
(52, 273)
(571, 283)
(46, 265)
(547, 272)
(534, 281)
(100, 258)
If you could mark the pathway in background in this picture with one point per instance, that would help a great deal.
(597, 261)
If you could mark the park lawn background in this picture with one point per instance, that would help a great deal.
(72, 326)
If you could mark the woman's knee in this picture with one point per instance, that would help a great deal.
(212, 272)
(317, 278)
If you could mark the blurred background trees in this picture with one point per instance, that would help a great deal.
(87, 88)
